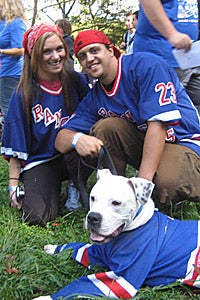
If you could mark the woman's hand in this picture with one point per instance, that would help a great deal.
(14, 200)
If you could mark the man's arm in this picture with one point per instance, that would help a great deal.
(86, 145)
(157, 17)
(152, 150)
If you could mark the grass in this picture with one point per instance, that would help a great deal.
(27, 272)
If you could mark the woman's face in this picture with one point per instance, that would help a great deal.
(53, 59)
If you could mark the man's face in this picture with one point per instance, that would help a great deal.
(129, 22)
(96, 61)
(135, 21)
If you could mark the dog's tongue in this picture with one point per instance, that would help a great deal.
(95, 237)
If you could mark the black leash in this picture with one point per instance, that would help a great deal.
(104, 153)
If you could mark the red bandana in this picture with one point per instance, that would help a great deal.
(87, 37)
(34, 33)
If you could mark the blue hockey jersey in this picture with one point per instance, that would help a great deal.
(34, 143)
(146, 89)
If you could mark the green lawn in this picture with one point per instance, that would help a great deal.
(27, 272)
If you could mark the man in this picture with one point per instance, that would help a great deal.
(139, 110)
(165, 24)
(131, 20)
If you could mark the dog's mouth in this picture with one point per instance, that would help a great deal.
(100, 238)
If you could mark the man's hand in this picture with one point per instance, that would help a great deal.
(88, 146)
(180, 41)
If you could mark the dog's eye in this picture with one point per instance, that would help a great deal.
(92, 198)
(116, 203)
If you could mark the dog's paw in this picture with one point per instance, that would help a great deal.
(50, 249)
(43, 298)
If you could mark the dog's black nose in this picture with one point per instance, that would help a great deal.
(94, 218)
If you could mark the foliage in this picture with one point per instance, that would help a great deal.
(105, 15)
(27, 272)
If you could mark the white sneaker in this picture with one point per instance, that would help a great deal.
(73, 197)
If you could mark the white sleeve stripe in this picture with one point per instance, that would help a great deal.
(11, 152)
(102, 287)
(170, 116)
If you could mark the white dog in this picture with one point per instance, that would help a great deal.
(135, 243)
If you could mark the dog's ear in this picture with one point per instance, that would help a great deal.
(143, 188)
(102, 173)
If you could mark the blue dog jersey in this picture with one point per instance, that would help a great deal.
(157, 253)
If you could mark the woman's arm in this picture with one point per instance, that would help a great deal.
(12, 51)
(14, 174)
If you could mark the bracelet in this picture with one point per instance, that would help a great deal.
(1, 51)
(13, 178)
(76, 138)
(12, 188)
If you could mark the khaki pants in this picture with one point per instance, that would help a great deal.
(178, 175)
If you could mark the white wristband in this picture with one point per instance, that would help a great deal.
(76, 138)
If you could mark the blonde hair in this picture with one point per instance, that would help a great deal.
(13, 9)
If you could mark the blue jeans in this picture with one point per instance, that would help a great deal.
(7, 85)
(190, 78)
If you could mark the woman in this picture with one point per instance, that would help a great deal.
(11, 50)
(45, 98)
(66, 29)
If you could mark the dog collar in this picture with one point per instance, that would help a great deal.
(138, 212)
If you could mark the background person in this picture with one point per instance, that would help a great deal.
(2, 24)
(65, 26)
(131, 20)
(164, 24)
(66, 29)
(11, 49)
(2, 20)
(44, 100)
(139, 110)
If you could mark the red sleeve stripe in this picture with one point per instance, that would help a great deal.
(83, 256)
(112, 285)
(194, 279)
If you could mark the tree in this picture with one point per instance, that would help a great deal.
(105, 15)
(34, 11)
(102, 15)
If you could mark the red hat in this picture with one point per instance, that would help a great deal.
(87, 37)
(34, 33)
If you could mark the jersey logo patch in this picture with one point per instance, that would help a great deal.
(46, 115)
